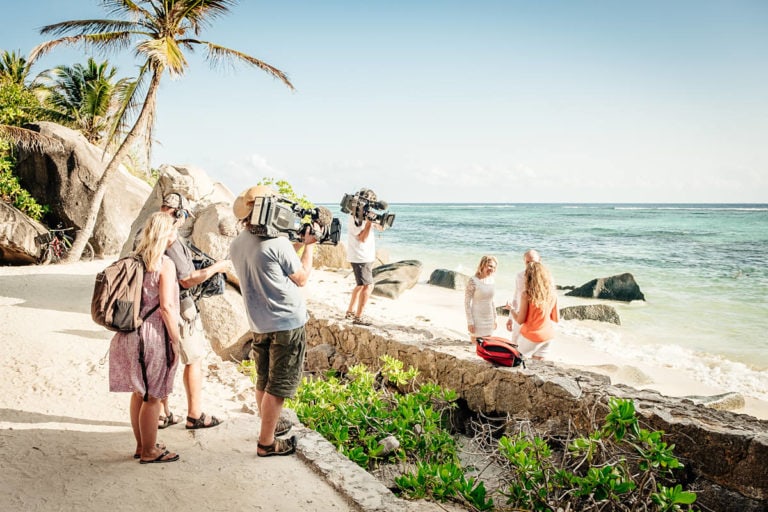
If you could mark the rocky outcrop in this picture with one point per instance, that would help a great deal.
(17, 236)
(724, 453)
(225, 323)
(331, 256)
(210, 204)
(620, 287)
(393, 279)
(598, 312)
(66, 181)
(448, 279)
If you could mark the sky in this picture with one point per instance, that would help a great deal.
(454, 101)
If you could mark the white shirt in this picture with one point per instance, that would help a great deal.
(357, 251)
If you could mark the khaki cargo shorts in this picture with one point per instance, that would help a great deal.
(279, 361)
(193, 343)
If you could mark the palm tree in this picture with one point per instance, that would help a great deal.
(18, 105)
(159, 32)
(86, 97)
(15, 69)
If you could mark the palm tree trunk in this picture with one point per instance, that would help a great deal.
(145, 119)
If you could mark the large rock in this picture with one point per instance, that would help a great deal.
(620, 287)
(448, 279)
(331, 256)
(598, 312)
(392, 280)
(17, 236)
(66, 180)
(225, 323)
(217, 228)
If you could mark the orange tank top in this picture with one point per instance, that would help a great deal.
(538, 326)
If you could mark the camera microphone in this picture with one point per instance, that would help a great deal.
(324, 216)
(382, 205)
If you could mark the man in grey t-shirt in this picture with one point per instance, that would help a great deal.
(270, 274)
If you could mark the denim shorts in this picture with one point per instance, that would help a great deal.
(279, 361)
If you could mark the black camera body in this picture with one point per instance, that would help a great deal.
(362, 209)
(273, 215)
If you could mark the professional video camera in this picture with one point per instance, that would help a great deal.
(273, 215)
(362, 204)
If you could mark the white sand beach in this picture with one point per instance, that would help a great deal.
(66, 441)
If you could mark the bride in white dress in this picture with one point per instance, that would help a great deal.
(478, 299)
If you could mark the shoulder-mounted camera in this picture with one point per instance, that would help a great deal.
(363, 206)
(273, 215)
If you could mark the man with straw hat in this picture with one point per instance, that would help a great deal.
(270, 274)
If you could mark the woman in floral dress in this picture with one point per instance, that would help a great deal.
(159, 335)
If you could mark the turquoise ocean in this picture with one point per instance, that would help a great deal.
(702, 267)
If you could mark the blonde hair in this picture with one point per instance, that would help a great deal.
(538, 284)
(483, 262)
(157, 230)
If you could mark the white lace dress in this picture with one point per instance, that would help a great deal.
(479, 307)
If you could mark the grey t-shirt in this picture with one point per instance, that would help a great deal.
(273, 301)
(182, 258)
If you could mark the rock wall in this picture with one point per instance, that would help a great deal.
(724, 453)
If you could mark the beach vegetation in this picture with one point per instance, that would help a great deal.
(618, 466)
(17, 69)
(285, 189)
(11, 190)
(159, 34)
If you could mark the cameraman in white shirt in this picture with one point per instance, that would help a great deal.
(361, 253)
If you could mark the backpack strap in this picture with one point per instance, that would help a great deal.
(149, 313)
(143, 364)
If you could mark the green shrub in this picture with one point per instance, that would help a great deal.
(619, 466)
(358, 413)
(18, 106)
(11, 191)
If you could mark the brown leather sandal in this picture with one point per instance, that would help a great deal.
(279, 447)
(283, 426)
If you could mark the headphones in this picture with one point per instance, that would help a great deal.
(180, 212)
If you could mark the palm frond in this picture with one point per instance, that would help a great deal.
(104, 42)
(219, 55)
(201, 13)
(131, 96)
(88, 27)
(122, 7)
(29, 140)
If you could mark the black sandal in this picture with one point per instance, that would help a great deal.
(279, 447)
(158, 445)
(200, 422)
(161, 458)
(167, 421)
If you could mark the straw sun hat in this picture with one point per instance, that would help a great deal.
(244, 202)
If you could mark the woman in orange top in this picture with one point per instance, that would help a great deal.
(537, 312)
